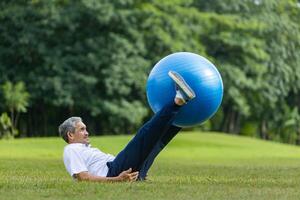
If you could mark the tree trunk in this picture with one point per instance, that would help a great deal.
(226, 119)
(238, 123)
(264, 130)
(232, 121)
(17, 119)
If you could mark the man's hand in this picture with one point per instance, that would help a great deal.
(128, 175)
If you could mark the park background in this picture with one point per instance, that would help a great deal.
(91, 58)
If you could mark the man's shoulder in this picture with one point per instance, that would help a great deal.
(73, 147)
(71, 150)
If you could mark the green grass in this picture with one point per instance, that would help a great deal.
(193, 166)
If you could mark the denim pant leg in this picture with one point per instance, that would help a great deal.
(139, 148)
(166, 138)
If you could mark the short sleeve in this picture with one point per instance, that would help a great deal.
(74, 162)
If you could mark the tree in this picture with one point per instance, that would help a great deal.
(15, 99)
(76, 58)
(235, 43)
(259, 62)
(6, 127)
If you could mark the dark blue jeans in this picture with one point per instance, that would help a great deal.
(151, 138)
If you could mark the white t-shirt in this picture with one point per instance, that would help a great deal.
(80, 157)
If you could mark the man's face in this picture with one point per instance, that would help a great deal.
(80, 135)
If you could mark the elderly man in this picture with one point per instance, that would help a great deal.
(85, 163)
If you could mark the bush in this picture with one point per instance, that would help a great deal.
(249, 129)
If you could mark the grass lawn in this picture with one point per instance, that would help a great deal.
(194, 166)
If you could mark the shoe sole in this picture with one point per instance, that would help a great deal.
(182, 84)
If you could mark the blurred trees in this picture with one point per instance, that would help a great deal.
(91, 58)
(260, 65)
(76, 58)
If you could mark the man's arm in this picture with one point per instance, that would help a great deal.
(127, 175)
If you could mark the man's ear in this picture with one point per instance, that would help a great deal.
(70, 135)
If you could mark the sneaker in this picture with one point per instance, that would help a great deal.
(183, 90)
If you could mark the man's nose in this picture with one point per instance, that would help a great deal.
(86, 133)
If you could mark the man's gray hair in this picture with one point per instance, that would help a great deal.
(68, 126)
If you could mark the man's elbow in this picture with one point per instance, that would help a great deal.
(82, 176)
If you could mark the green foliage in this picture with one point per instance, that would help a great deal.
(16, 101)
(71, 56)
(254, 44)
(286, 126)
(249, 129)
(170, 26)
(7, 130)
(15, 96)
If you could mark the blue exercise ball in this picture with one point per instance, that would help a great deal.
(199, 73)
